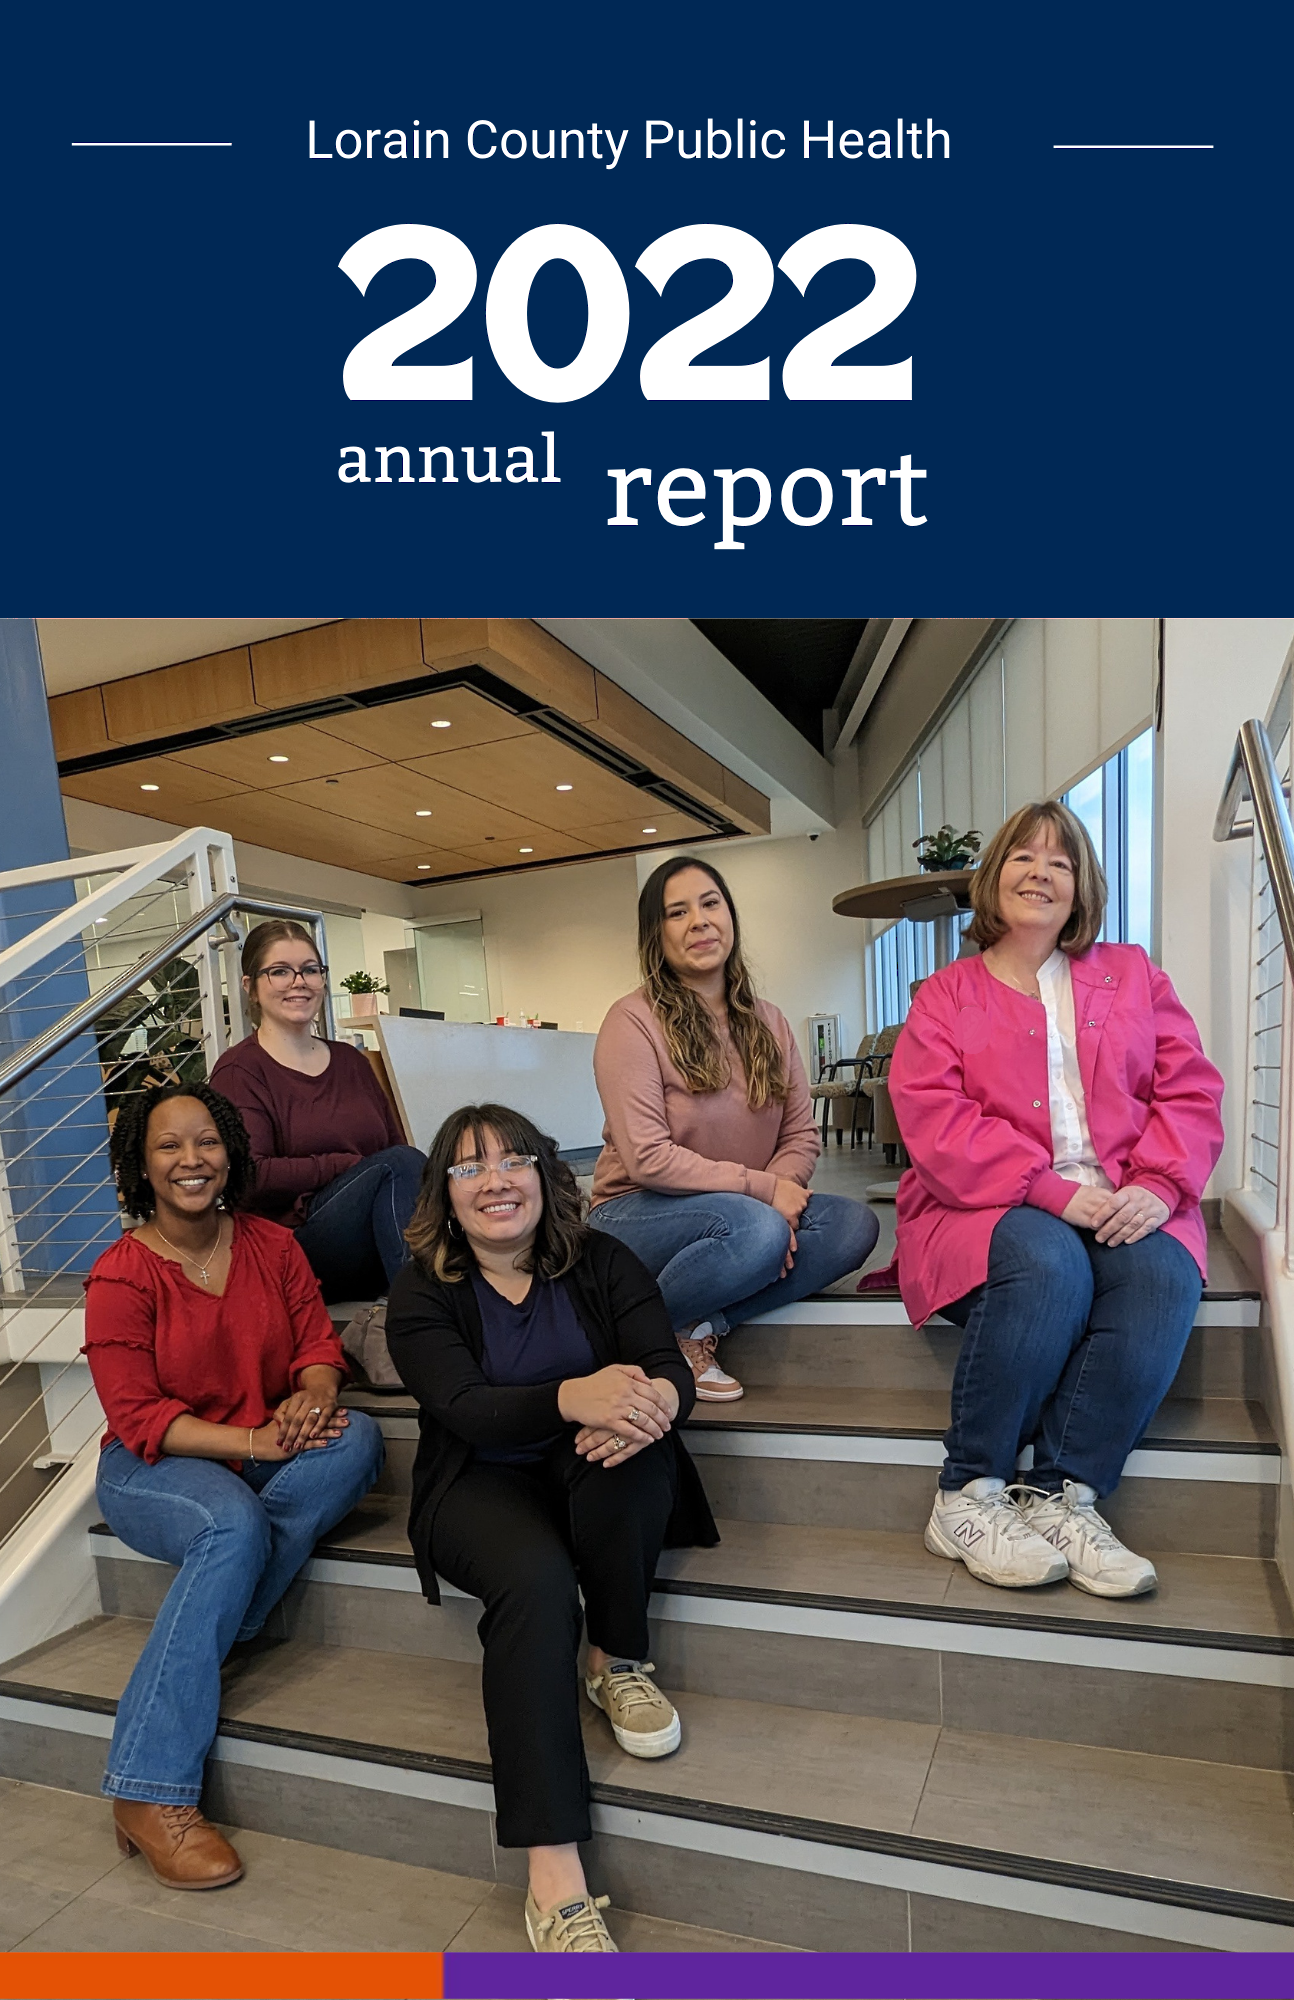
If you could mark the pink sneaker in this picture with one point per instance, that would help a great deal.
(712, 1385)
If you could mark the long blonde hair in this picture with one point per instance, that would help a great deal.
(686, 1023)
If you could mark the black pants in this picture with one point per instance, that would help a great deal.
(526, 1539)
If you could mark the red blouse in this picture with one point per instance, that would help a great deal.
(159, 1347)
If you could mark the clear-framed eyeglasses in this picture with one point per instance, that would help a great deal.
(283, 976)
(511, 1163)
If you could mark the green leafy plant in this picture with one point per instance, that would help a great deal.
(948, 848)
(363, 982)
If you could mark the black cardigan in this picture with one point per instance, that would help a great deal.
(434, 1334)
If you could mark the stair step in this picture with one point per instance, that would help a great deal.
(867, 1623)
(880, 1824)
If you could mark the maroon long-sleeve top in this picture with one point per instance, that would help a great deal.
(160, 1347)
(305, 1130)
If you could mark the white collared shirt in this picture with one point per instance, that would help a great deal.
(1074, 1155)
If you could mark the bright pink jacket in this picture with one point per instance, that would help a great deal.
(968, 1082)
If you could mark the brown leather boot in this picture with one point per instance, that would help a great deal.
(182, 1848)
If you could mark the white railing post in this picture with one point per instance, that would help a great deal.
(225, 877)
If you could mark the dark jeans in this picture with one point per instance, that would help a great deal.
(237, 1543)
(527, 1539)
(1069, 1346)
(719, 1256)
(353, 1234)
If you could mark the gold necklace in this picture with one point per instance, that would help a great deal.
(200, 1264)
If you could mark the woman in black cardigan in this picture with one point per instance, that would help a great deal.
(551, 1384)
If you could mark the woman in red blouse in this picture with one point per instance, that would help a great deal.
(330, 1157)
(227, 1454)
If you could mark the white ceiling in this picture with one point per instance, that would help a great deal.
(79, 652)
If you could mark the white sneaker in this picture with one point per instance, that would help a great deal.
(1098, 1561)
(983, 1527)
(712, 1385)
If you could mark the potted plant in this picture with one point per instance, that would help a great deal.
(947, 849)
(363, 990)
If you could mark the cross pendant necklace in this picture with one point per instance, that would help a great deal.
(201, 1266)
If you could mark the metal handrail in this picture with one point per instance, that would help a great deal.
(1253, 775)
(84, 1015)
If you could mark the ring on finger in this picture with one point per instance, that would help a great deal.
(635, 1417)
(619, 1444)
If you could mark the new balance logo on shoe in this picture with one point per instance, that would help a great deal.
(968, 1533)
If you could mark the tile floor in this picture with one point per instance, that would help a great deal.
(65, 1888)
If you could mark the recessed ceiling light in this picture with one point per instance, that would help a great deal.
(150, 788)
(525, 850)
(422, 812)
(566, 788)
(424, 865)
(649, 829)
(442, 725)
(278, 758)
(332, 781)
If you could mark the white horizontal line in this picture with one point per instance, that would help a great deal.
(152, 142)
(835, 1448)
(1119, 146)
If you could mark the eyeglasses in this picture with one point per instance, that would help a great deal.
(287, 975)
(511, 1163)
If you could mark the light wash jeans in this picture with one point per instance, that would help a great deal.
(1069, 1346)
(237, 1543)
(719, 1256)
(353, 1234)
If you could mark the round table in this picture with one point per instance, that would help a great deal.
(934, 896)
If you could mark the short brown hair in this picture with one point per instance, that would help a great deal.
(279, 930)
(1090, 888)
(562, 1232)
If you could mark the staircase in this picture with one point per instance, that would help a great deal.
(879, 1753)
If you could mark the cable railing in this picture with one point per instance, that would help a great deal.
(151, 944)
(1259, 778)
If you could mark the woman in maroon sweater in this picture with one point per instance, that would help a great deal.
(330, 1157)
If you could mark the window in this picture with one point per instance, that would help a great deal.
(1116, 805)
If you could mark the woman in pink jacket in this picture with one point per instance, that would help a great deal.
(709, 1136)
(1062, 1121)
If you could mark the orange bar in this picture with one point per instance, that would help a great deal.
(221, 1975)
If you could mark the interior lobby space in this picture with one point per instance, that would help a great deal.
(881, 1751)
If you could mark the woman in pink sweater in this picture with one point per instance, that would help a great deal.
(709, 1140)
(1062, 1121)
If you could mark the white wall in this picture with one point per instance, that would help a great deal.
(559, 942)
(805, 959)
(1218, 672)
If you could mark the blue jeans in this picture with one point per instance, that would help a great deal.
(719, 1256)
(353, 1234)
(237, 1543)
(1069, 1346)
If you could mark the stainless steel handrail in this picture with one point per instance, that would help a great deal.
(1253, 774)
(84, 1016)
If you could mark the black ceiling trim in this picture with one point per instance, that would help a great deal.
(481, 681)
(557, 861)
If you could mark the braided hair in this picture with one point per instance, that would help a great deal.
(126, 1145)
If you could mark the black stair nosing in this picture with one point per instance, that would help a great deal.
(921, 1433)
(886, 1607)
(1161, 1890)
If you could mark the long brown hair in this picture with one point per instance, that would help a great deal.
(686, 1023)
(279, 930)
(434, 1235)
(1090, 888)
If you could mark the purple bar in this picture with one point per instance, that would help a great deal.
(875, 1976)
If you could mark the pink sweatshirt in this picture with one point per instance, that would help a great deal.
(968, 1082)
(663, 1137)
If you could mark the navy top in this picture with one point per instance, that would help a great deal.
(541, 1340)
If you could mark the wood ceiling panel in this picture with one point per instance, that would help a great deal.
(309, 754)
(526, 771)
(423, 864)
(403, 729)
(542, 845)
(667, 829)
(78, 723)
(180, 789)
(331, 659)
(270, 819)
(170, 699)
(391, 797)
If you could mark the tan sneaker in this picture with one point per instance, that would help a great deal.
(645, 1723)
(698, 1348)
(573, 1926)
